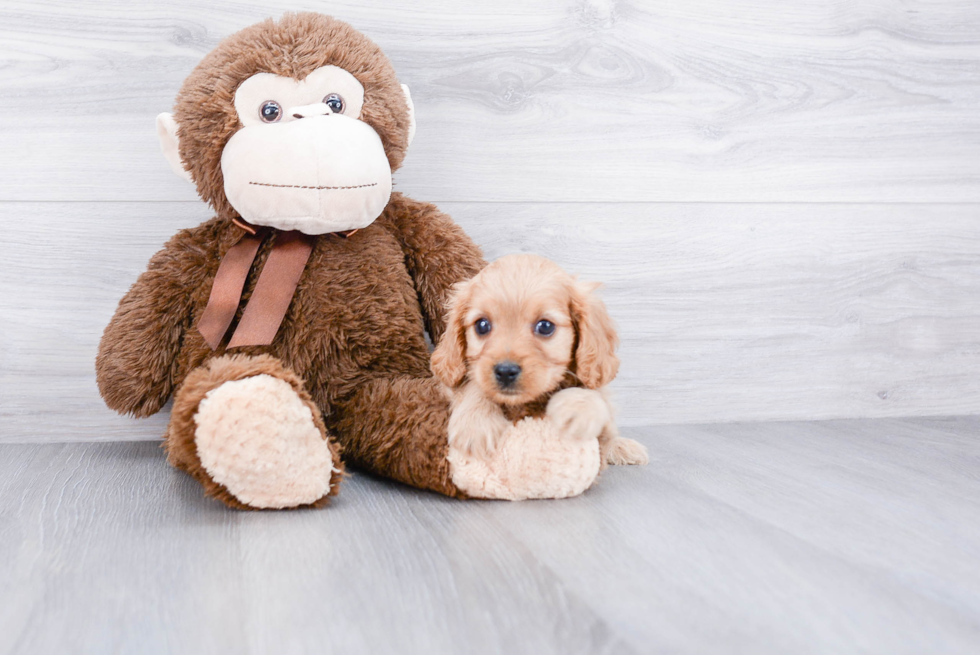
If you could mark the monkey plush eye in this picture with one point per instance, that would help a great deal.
(335, 102)
(544, 328)
(270, 112)
(482, 326)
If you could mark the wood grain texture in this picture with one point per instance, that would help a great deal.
(556, 100)
(727, 312)
(749, 312)
(841, 536)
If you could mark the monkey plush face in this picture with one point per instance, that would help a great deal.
(303, 160)
(295, 125)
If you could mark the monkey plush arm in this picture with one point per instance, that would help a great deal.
(135, 365)
(438, 254)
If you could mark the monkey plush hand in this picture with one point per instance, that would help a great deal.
(290, 328)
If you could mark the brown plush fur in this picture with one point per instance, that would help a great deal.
(354, 333)
(398, 426)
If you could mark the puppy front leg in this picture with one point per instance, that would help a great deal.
(476, 423)
(617, 450)
(579, 413)
(586, 414)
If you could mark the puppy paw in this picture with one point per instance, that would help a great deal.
(578, 413)
(475, 423)
(623, 452)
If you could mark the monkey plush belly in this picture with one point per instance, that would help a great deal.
(356, 315)
(359, 294)
(355, 307)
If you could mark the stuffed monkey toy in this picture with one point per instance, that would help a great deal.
(290, 328)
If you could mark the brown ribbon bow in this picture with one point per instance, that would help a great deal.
(273, 292)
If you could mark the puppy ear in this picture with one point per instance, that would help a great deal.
(595, 362)
(449, 358)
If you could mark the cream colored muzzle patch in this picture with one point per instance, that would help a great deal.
(319, 174)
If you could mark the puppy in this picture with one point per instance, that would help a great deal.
(525, 339)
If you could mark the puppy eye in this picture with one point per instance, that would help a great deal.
(335, 102)
(482, 326)
(544, 328)
(270, 111)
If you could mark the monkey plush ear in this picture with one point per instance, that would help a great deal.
(167, 132)
(411, 113)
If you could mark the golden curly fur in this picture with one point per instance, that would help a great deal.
(525, 338)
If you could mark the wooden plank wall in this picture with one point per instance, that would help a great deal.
(782, 198)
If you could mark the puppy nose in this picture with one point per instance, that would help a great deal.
(506, 373)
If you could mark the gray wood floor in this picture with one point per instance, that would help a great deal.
(836, 536)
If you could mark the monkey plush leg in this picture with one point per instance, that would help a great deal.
(246, 429)
(398, 428)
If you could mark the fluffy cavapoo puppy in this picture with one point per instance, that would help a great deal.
(526, 356)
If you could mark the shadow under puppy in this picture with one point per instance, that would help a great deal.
(526, 357)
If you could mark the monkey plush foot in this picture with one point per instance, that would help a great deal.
(532, 459)
(257, 438)
(246, 429)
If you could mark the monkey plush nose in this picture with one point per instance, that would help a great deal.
(506, 374)
(316, 109)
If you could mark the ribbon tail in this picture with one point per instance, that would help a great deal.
(226, 290)
(274, 291)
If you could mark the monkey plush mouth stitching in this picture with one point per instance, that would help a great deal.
(298, 186)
